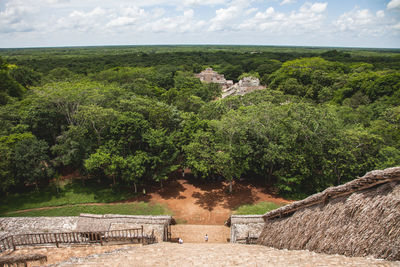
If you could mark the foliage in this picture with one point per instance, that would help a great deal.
(8, 144)
(64, 193)
(131, 116)
(31, 161)
(249, 74)
(9, 87)
(258, 208)
(137, 208)
(25, 76)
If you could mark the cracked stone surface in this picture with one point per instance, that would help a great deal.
(206, 254)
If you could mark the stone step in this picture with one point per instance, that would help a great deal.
(195, 233)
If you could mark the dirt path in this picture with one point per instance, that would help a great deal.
(199, 202)
(195, 233)
(208, 203)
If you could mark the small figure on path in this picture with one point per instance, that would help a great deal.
(206, 238)
(180, 241)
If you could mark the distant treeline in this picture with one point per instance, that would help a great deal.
(132, 116)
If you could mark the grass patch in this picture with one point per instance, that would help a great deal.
(136, 208)
(259, 208)
(180, 221)
(71, 193)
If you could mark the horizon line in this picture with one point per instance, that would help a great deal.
(221, 45)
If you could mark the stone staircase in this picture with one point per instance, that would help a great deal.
(195, 233)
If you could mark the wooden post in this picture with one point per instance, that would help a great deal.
(7, 245)
(142, 236)
(55, 238)
(10, 245)
(13, 244)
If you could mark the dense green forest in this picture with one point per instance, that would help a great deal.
(132, 116)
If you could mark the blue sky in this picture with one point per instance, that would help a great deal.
(350, 23)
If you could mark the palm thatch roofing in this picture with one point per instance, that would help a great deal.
(358, 218)
(369, 180)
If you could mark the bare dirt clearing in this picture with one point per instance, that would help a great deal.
(208, 202)
(190, 233)
(200, 202)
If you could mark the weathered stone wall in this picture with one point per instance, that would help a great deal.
(245, 225)
(244, 86)
(249, 82)
(22, 225)
(84, 222)
(117, 222)
(210, 76)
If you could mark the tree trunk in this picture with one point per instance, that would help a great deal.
(57, 186)
(161, 184)
(338, 175)
(230, 186)
(271, 171)
(268, 178)
(134, 184)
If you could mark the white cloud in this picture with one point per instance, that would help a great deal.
(394, 4)
(314, 8)
(380, 14)
(122, 21)
(224, 17)
(14, 17)
(53, 2)
(286, 2)
(203, 2)
(197, 21)
(82, 21)
(125, 19)
(179, 24)
(364, 23)
(251, 10)
(130, 16)
(308, 18)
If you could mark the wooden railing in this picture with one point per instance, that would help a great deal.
(128, 235)
(247, 240)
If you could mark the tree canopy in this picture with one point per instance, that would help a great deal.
(134, 117)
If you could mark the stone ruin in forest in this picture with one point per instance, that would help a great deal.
(210, 76)
(244, 86)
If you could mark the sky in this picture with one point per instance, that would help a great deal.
(339, 23)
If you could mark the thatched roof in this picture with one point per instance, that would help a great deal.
(359, 218)
(369, 180)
